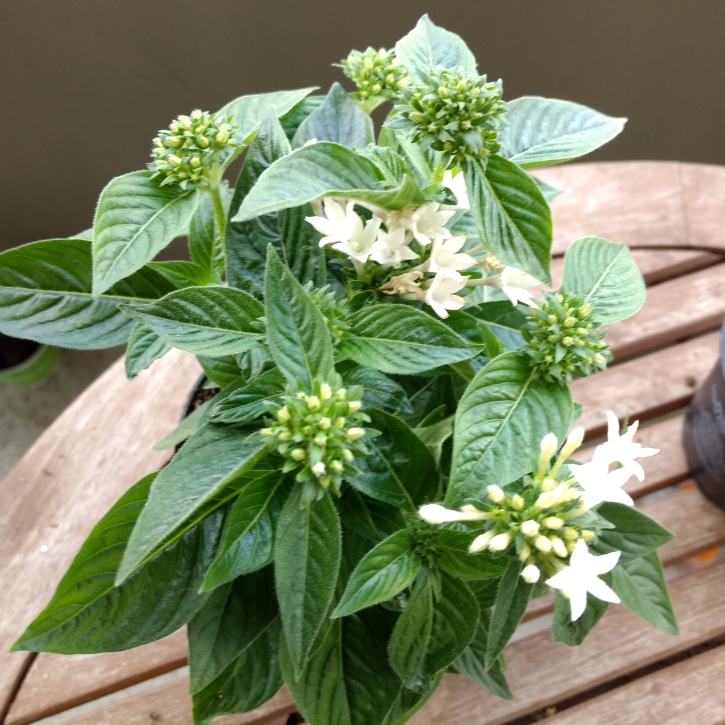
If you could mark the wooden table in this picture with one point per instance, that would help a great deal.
(673, 217)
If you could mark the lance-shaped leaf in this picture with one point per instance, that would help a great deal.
(564, 631)
(233, 616)
(144, 346)
(248, 112)
(456, 559)
(340, 119)
(502, 417)
(325, 169)
(246, 403)
(384, 572)
(184, 274)
(511, 215)
(248, 540)
(640, 584)
(135, 219)
(297, 333)
(307, 553)
(399, 469)
(606, 276)
(205, 245)
(88, 614)
(291, 120)
(428, 45)
(512, 599)
(293, 238)
(400, 339)
(247, 683)
(348, 681)
(45, 295)
(379, 391)
(205, 320)
(503, 319)
(634, 534)
(544, 131)
(208, 462)
(432, 631)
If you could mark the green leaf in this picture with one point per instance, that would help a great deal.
(339, 119)
(45, 295)
(432, 632)
(325, 169)
(208, 462)
(298, 337)
(606, 276)
(512, 216)
(185, 429)
(435, 436)
(222, 371)
(564, 631)
(294, 239)
(472, 664)
(402, 340)
(409, 702)
(252, 679)
(501, 419)
(307, 552)
(427, 46)
(379, 391)
(512, 598)
(384, 572)
(231, 619)
(144, 346)
(544, 131)
(548, 191)
(634, 534)
(135, 219)
(246, 403)
(88, 614)
(248, 539)
(455, 558)
(204, 246)
(640, 584)
(503, 319)
(399, 469)
(248, 112)
(183, 274)
(205, 320)
(348, 681)
(291, 120)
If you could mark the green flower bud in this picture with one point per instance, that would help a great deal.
(377, 75)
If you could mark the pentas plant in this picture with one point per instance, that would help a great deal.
(376, 489)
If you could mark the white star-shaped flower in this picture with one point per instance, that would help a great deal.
(338, 222)
(441, 295)
(361, 239)
(582, 576)
(622, 449)
(391, 248)
(427, 223)
(444, 255)
(515, 284)
(600, 484)
(457, 184)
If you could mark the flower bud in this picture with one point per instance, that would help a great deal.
(298, 454)
(341, 393)
(584, 311)
(531, 574)
(549, 444)
(546, 500)
(313, 402)
(325, 391)
(517, 503)
(354, 433)
(542, 544)
(267, 432)
(525, 552)
(552, 522)
(558, 547)
(347, 455)
(481, 542)
(319, 469)
(222, 137)
(353, 406)
(500, 542)
(283, 415)
(284, 436)
(496, 494)
(324, 423)
(530, 528)
(335, 466)
(325, 481)
(569, 533)
(573, 442)
(587, 535)
(339, 423)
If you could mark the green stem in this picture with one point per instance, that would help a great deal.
(439, 171)
(220, 229)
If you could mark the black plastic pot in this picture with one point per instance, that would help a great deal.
(704, 433)
(25, 363)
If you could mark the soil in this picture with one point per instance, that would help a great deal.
(13, 352)
(294, 719)
(200, 395)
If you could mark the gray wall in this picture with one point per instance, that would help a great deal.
(85, 84)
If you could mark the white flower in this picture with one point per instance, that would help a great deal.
(622, 449)
(359, 244)
(441, 293)
(515, 284)
(600, 484)
(427, 223)
(434, 513)
(443, 255)
(582, 576)
(457, 184)
(406, 283)
(391, 248)
(531, 574)
(337, 223)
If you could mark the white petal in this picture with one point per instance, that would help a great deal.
(578, 603)
(599, 565)
(612, 427)
(601, 590)
(617, 495)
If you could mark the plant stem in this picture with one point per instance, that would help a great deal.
(220, 228)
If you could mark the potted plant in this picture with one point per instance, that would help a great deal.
(385, 478)
(25, 362)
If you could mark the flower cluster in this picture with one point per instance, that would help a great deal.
(187, 152)
(546, 517)
(378, 75)
(563, 342)
(319, 436)
(454, 112)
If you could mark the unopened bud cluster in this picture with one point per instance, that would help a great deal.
(186, 151)
(333, 308)
(563, 341)
(378, 75)
(454, 112)
(319, 435)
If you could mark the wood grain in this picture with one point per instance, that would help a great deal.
(542, 673)
(101, 445)
(688, 692)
